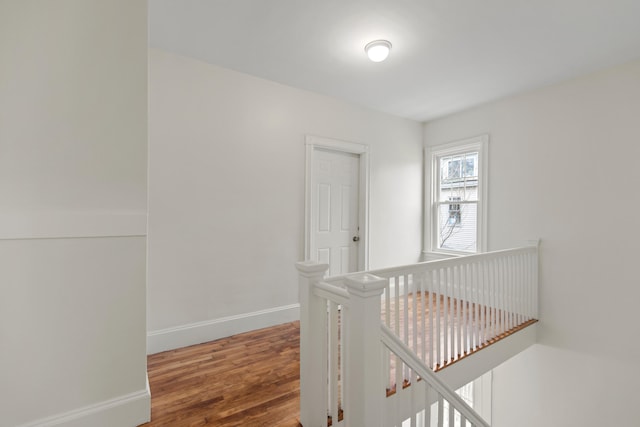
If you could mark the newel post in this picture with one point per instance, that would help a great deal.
(364, 385)
(313, 350)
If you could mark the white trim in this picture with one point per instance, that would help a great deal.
(336, 144)
(209, 330)
(483, 396)
(461, 146)
(362, 151)
(479, 143)
(61, 225)
(486, 359)
(435, 256)
(128, 410)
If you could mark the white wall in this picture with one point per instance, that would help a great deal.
(73, 130)
(226, 202)
(563, 167)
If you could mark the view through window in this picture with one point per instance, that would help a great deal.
(457, 196)
(458, 202)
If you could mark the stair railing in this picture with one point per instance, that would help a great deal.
(442, 407)
(440, 310)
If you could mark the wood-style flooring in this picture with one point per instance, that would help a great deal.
(251, 379)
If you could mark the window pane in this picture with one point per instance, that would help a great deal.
(457, 226)
(470, 162)
(454, 169)
(459, 177)
(455, 195)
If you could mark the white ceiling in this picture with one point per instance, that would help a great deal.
(447, 55)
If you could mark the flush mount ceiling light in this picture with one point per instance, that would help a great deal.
(378, 50)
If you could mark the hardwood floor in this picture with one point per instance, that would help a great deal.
(251, 379)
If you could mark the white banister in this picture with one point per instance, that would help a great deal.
(313, 351)
(444, 263)
(469, 301)
(364, 385)
(440, 311)
(332, 293)
(391, 341)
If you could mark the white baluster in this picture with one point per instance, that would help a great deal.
(514, 290)
(513, 293)
(423, 312)
(452, 417)
(343, 321)
(530, 296)
(414, 320)
(333, 361)
(519, 296)
(460, 326)
(523, 291)
(405, 317)
(414, 387)
(518, 289)
(386, 355)
(486, 309)
(475, 280)
(500, 299)
(439, 321)
(501, 294)
(509, 292)
(465, 307)
(481, 299)
(527, 293)
(427, 405)
(512, 271)
(532, 287)
(454, 311)
(493, 299)
(398, 361)
(452, 314)
(494, 287)
(447, 354)
(432, 320)
(534, 284)
(528, 281)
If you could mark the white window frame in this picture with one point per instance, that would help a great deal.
(432, 155)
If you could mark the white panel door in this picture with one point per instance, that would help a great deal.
(334, 214)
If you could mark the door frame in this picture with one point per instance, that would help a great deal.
(313, 143)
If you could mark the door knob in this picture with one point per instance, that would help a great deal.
(356, 238)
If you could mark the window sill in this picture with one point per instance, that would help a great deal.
(434, 256)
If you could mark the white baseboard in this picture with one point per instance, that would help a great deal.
(129, 410)
(209, 330)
